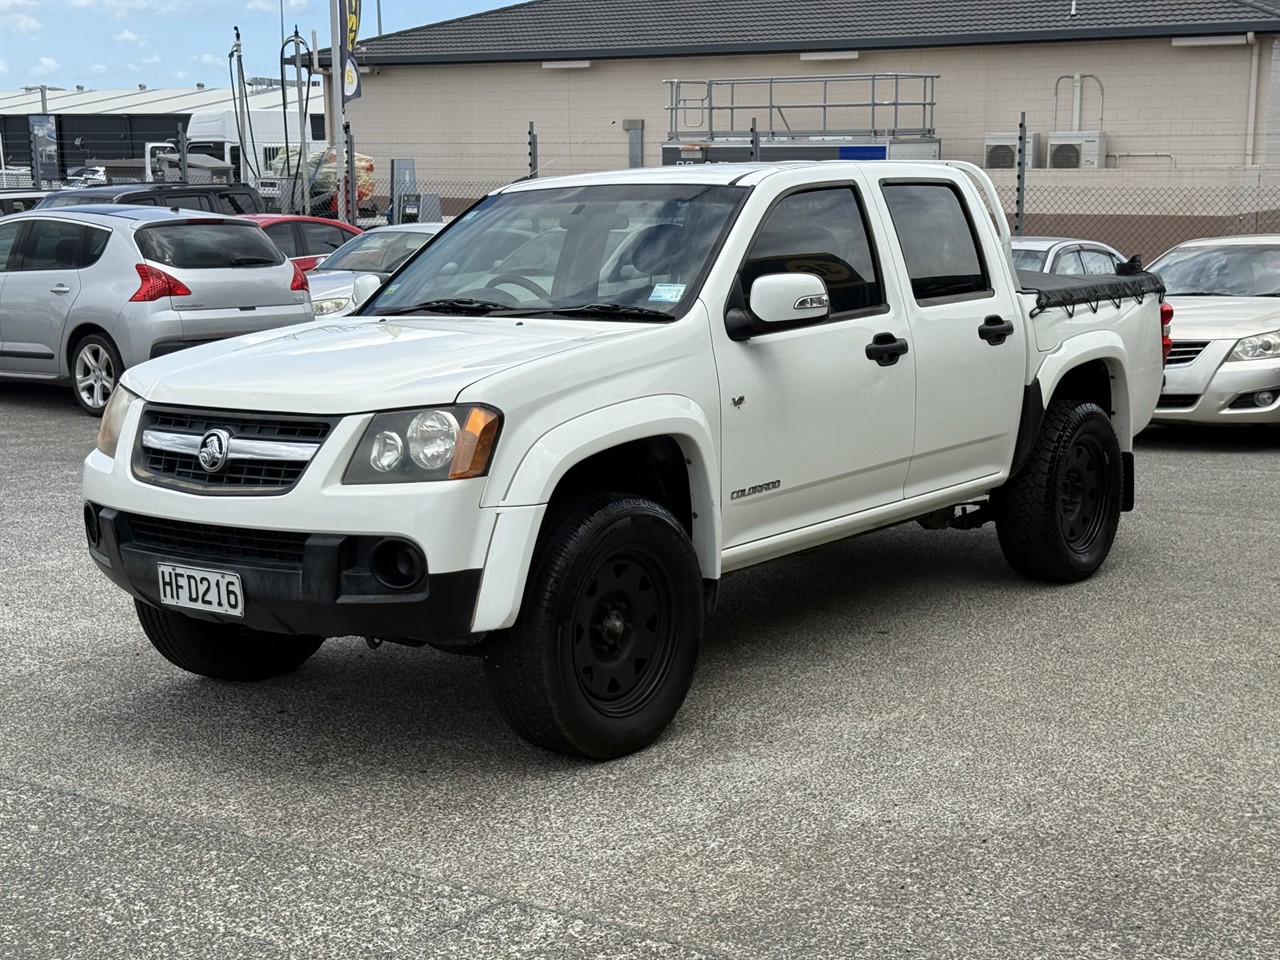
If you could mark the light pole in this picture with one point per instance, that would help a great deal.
(44, 89)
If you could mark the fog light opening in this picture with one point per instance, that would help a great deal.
(1264, 398)
(397, 564)
(92, 528)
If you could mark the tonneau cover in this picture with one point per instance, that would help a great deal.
(1073, 290)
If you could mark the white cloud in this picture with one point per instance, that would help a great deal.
(179, 74)
(210, 60)
(44, 66)
(151, 60)
(4, 67)
(133, 68)
(128, 36)
(260, 6)
(98, 68)
(19, 22)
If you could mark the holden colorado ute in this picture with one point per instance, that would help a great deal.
(547, 437)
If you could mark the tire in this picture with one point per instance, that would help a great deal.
(95, 370)
(609, 632)
(1057, 517)
(223, 651)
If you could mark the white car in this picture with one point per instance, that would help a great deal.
(377, 252)
(1225, 364)
(1064, 255)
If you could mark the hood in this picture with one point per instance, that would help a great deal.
(335, 283)
(358, 364)
(1223, 318)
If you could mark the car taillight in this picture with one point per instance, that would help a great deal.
(156, 284)
(299, 278)
(1166, 342)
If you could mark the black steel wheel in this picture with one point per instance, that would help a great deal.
(609, 632)
(223, 651)
(1057, 517)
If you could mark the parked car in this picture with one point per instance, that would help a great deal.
(554, 471)
(376, 252)
(304, 240)
(18, 199)
(86, 293)
(1225, 364)
(235, 198)
(1064, 255)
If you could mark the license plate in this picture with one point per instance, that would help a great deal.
(201, 589)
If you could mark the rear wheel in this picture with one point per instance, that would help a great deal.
(95, 369)
(223, 651)
(1057, 518)
(609, 632)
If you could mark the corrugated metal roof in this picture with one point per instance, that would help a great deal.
(572, 29)
(135, 101)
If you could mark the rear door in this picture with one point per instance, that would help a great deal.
(40, 287)
(968, 335)
(239, 281)
(317, 241)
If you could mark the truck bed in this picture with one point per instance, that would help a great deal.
(1070, 291)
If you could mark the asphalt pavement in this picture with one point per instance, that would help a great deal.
(894, 747)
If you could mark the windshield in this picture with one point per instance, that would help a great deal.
(379, 250)
(1227, 271)
(622, 251)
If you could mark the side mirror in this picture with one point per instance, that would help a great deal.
(780, 301)
(365, 287)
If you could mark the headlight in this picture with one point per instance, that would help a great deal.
(332, 305)
(1265, 346)
(438, 443)
(113, 419)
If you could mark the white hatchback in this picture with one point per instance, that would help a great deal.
(1225, 364)
(87, 291)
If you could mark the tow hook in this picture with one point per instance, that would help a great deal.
(373, 643)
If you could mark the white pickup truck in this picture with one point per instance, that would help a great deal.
(548, 436)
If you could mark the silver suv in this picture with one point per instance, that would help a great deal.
(86, 292)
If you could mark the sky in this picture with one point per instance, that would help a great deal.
(115, 44)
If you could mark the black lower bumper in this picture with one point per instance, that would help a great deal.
(321, 584)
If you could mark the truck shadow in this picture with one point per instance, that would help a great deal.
(419, 712)
(1227, 439)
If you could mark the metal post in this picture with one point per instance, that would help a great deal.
(182, 153)
(635, 142)
(299, 183)
(352, 190)
(533, 151)
(755, 139)
(336, 118)
(1021, 193)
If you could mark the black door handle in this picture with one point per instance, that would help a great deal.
(994, 330)
(885, 349)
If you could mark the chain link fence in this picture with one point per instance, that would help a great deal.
(1139, 220)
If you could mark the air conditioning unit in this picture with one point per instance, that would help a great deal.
(1000, 150)
(1076, 150)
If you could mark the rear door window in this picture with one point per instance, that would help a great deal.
(240, 201)
(95, 242)
(1098, 261)
(321, 239)
(1068, 262)
(281, 235)
(51, 245)
(211, 244)
(938, 241)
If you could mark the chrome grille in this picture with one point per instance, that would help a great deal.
(1184, 351)
(264, 454)
(203, 541)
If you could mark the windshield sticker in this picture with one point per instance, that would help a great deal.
(667, 292)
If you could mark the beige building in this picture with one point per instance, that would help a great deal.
(1178, 97)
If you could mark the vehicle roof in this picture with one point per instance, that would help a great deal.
(1046, 243)
(427, 226)
(1236, 241)
(726, 174)
(116, 189)
(105, 212)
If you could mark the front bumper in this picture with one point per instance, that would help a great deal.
(317, 583)
(1212, 389)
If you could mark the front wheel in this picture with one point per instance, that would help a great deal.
(1057, 517)
(609, 632)
(223, 651)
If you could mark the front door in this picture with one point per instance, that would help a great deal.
(40, 286)
(812, 428)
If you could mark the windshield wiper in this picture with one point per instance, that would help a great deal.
(463, 305)
(249, 261)
(608, 310)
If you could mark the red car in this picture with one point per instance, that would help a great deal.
(304, 240)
